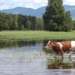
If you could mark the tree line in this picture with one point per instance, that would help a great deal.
(20, 22)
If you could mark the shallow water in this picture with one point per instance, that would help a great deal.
(33, 60)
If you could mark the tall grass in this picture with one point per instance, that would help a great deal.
(36, 35)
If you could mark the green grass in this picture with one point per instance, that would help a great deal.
(36, 35)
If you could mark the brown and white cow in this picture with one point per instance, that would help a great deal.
(60, 47)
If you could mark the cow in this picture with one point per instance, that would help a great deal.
(60, 47)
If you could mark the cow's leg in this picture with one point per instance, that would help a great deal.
(72, 53)
(61, 54)
(54, 55)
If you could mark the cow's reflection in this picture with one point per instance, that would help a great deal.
(60, 64)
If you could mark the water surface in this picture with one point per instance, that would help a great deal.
(29, 58)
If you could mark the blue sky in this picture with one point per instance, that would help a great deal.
(8, 4)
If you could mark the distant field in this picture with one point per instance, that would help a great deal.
(36, 35)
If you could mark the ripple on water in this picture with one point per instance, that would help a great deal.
(30, 60)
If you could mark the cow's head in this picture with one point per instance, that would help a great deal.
(48, 46)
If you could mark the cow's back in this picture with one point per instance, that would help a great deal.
(66, 45)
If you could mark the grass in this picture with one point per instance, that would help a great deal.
(36, 35)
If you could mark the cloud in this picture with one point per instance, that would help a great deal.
(36, 3)
(8, 4)
(69, 2)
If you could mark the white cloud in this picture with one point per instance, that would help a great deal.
(69, 2)
(7, 4)
(36, 3)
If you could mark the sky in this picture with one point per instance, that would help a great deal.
(8, 4)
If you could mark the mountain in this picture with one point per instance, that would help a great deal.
(26, 11)
(36, 12)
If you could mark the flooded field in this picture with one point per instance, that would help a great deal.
(29, 58)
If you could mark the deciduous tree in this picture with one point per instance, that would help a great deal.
(53, 16)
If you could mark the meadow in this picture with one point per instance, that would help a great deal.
(36, 35)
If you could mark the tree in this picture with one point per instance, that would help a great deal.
(20, 22)
(28, 25)
(15, 22)
(33, 23)
(74, 25)
(68, 23)
(10, 21)
(3, 22)
(39, 24)
(53, 17)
